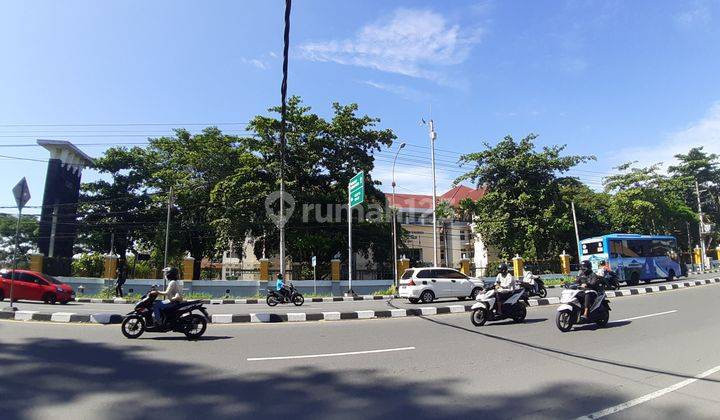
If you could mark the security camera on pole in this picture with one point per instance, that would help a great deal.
(22, 196)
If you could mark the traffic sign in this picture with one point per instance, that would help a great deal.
(21, 191)
(313, 261)
(356, 189)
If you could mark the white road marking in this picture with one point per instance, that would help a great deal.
(648, 397)
(645, 316)
(315, 356)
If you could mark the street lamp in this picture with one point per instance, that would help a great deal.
(394, 216)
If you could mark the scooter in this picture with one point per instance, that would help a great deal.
(536, 288)
(178, 318)
(514, 307)
(274, 297)
(572, 303)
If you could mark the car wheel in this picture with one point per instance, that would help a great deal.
(462, 297)
(475, 292)
(427, 296)
(413, 300)
(564, 320)
(670, 277)
(49, 298)
(64, 302)
(2, 295)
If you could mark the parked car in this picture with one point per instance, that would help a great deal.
(426, 284)
(31, 285)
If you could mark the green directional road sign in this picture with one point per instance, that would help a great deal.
(356, 189)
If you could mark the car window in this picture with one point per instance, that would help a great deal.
(425, 274)
(456, 275)
(5, 274)
(27, 278)
(50, 279)
(407, 274)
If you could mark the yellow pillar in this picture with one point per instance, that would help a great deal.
(565, 263)
(518, 266)
(335, 269)
(717, 250)
(36, 262)
(465, 266)
(264, 269)
(188, 268)
(402, 265)
(696, 255)
(110, 266)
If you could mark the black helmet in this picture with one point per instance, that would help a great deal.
(171, 273)
(503, 268)
(586, 265)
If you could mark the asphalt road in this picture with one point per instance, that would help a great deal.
(308, 307)
(644, 364)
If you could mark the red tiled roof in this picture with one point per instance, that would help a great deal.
(420, 201)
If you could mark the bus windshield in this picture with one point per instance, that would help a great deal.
(593, 248)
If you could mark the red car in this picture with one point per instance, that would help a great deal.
(31, 285)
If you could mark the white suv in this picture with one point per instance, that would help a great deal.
(429, 283)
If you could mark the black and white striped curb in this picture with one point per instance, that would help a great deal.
(712, 270)
(249, 301)
(109, 318)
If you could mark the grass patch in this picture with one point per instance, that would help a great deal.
(390, 291)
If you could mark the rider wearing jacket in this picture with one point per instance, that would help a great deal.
(589, 281)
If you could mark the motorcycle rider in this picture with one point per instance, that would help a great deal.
(173, 294)
(504, 284)
(589, 281)
(281, 288)
(530, 278)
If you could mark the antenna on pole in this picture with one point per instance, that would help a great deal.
(433, 136)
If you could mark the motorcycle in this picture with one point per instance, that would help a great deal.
(514, 307)
(572, 303)
(612, 281)
(180, 318)
(536, 288)
(274, 296)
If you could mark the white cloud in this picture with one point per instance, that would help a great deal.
(705, 133)
(400, 90)
(416, 43)
(698, 14)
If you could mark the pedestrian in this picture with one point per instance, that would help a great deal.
(121, 274)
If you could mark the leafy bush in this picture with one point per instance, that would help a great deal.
(88, 265)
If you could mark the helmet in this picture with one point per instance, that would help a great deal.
(586, 265)
(280, 276)
(171, 273)
(503, 268)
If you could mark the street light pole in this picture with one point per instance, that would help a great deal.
(167, 233)
(283, 109)
(700, 227)
(433, 136)
(394, 216)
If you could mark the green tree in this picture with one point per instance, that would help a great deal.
(321, 156)
(523, 210)
(645, 201)
(27, 239)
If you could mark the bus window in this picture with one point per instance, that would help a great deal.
(592, 248)
(661, 247)
(615, 248)
(635, 248)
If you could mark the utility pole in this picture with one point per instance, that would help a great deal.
(394, 220)
(167, 233)
(577, 234)
(433, 136)
(701, 227)
(283, 110)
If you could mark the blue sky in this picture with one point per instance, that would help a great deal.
(621, 80)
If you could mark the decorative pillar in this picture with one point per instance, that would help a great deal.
(696, 256)
(110, 265)
(188, 268)
(402, 265)
(717, 250)
(264, 269)
(335, 269)
(565, 263)
(36, 262)
(518, 266)
(465, 266)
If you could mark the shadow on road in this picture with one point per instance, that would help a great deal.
(183, 338)
(73, 379)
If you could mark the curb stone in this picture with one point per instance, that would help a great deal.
(112, 318)
(249, 301)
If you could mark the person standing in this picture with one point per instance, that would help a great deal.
(121, 275)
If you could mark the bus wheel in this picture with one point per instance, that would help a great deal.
(671, 275)
(634, 279)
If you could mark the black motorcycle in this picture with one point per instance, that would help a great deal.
(179, 317)
(538, 289)
(291, 295)
(612, 281)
